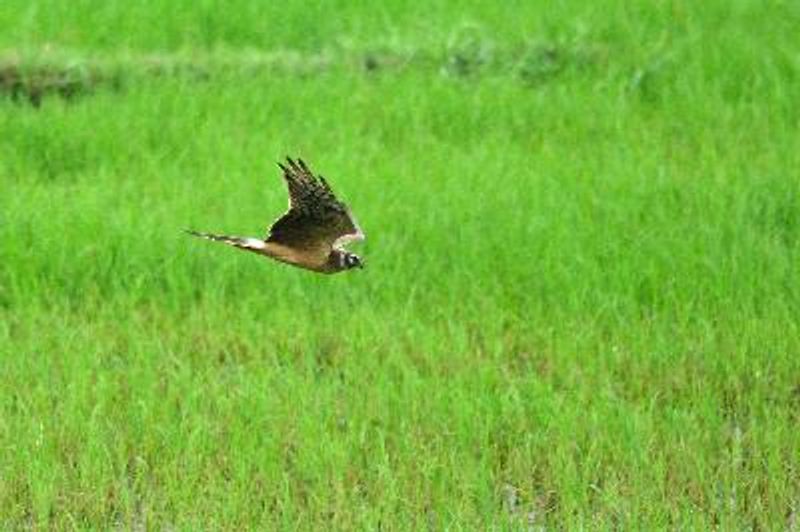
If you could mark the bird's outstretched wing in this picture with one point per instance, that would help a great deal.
(316, 221)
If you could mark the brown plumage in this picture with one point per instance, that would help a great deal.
(312, 233)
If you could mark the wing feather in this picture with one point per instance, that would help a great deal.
(316, 220)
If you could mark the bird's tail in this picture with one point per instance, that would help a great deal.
(250, 244)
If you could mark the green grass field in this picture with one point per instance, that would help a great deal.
(580, 306)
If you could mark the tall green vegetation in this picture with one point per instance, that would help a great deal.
(581, 295)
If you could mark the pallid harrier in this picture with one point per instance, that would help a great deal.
(312, 233)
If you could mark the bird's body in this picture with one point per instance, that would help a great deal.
(312, 233)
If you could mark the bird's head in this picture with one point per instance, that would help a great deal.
(351, 260)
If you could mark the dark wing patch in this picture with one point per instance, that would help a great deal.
(307, 191)
(316, 219)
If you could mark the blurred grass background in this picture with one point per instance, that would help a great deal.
(581, 295)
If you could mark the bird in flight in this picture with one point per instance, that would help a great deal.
(312, 233)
